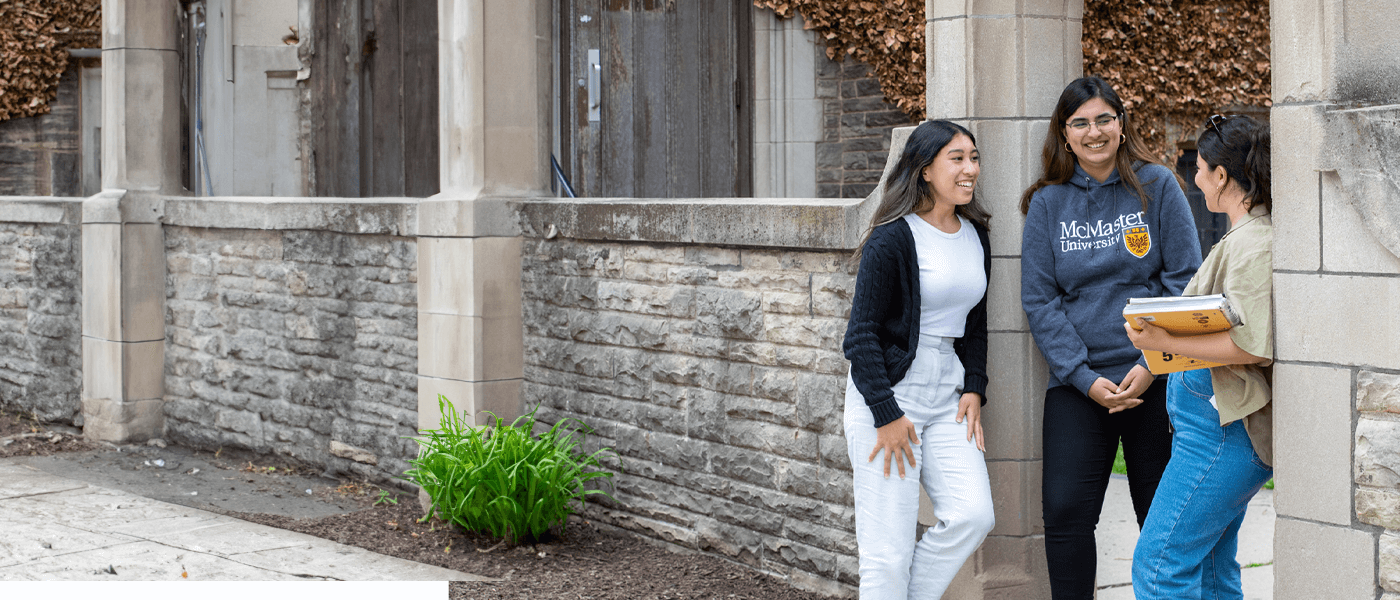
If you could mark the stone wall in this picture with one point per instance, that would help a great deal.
(39, 155)
(718, 376)
(40, 319)
(1336, 189)
(856, 126)
(288, 341)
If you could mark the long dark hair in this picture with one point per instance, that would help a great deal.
(1057, 162)
(1241, 145)
(906, 191)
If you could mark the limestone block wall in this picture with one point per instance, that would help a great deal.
(39, 155)
(293, 341)
(40, 308)
(718, 376)
(1336, 246)
(856, 128)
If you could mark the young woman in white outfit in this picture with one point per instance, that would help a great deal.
(917, 342)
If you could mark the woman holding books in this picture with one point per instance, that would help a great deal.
(917, 342)
(1222, 449)
(1103, 224)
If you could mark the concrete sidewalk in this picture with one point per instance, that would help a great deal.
(1118, 533)
(60, 529)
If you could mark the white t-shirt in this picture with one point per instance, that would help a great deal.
(951, 277)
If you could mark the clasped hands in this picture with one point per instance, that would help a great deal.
(1123, 396)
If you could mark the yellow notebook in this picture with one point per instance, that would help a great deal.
(1182, 315)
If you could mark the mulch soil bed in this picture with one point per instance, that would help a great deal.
(586, 562)
(21, 435)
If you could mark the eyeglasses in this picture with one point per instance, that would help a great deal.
(1215, 121)
(1102, 122)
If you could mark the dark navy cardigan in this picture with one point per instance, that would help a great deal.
(883, 331)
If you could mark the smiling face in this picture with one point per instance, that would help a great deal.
(1095, 147)
(953, 173)
(1205, 181)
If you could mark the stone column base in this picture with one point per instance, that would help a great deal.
(110, 420)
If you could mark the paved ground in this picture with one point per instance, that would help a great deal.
(1118, 533)
(63, 529)
(138, 515)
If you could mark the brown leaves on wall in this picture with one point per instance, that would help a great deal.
(888, 35)
(35, 36)
(1169, 60)
(1179, 60)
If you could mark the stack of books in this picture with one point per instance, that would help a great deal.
(1182, 315)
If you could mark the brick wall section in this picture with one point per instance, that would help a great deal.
(284, 341)
(41, 319)
(717, 374)
(856, 125)
(39, 155)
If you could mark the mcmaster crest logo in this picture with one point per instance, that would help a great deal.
(1137, 240)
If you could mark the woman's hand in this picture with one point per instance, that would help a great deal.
(1134, 384)
(1150, 337)
(1107, 395)
(894, 438)
(970, 405)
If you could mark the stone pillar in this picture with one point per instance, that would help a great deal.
(787, 107)
(123, 248)
(494, 96)
(1336, 166)
(998, 68)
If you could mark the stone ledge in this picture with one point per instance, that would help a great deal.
(790, 223)
(41, 209)
(807, 223)
(374, 216)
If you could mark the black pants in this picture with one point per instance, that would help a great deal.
(1081, 440)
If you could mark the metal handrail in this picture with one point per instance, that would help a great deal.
(559, 179)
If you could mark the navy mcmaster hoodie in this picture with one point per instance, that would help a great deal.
(1086, 248)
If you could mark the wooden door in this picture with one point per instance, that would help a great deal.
(374, 98)
(674, 97)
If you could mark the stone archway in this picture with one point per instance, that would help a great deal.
(1337, 379)
(1336, 109)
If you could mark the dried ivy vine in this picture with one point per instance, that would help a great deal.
(1174, 61)
(35, 36)
(888, 35)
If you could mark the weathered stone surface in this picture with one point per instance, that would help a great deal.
(288, 341)
(729, 314)
(1378, 453)
(1369, 171)
(1378, 507)
(1333, 562)
(1389, 567)
(115, 420)
(717, 380)
(356, 454)
(738, 543)
(40, 318)
(788, 553)
(1377, 392)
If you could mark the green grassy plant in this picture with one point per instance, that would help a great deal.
(502, 479)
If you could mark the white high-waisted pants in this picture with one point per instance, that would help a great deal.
(951, 469)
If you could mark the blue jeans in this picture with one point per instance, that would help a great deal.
(1188, 544)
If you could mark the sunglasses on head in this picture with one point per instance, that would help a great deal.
(1215, 121)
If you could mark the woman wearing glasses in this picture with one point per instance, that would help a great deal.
(1103, 224)
(1222, 447)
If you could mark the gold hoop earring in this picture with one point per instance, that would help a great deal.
(1122, 139)
(1068, 149)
